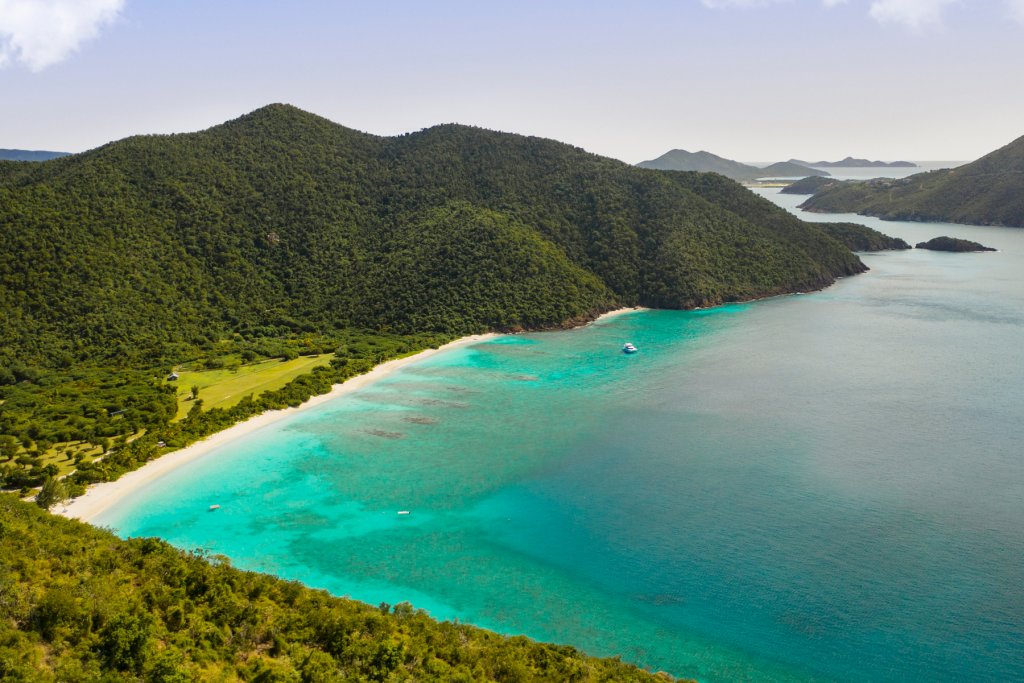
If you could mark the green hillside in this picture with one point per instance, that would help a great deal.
(78, 604)
(281, 221)
(989, 191)
(281, 233)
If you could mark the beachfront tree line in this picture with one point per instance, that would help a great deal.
(141, 434)
(79, 604)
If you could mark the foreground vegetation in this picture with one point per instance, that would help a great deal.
(78, 604)
(989, 191)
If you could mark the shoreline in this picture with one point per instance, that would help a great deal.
(616, 313)
(98, 498)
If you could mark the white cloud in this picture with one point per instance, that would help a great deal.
(1016, 8)
(39, 33)
(916, 14)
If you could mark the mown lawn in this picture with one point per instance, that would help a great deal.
(225, 387)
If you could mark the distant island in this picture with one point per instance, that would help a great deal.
(706, 162)
(29, 155)
(809, 185)
(851, 162)
(952, 244)
(989, 191)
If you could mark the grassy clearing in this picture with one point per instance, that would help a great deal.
(67, 455)
(225, 387)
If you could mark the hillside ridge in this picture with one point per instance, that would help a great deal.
(989, 191)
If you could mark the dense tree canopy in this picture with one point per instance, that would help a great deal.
(276, 222)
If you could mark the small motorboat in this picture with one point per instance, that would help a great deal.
(629, 348)
(403, 512)
(214, 507)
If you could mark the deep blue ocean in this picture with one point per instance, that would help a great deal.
(816, 487)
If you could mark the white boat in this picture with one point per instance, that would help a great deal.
(403, 512)
(214, 507)
(629, 348)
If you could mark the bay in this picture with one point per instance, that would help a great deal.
(816, 487)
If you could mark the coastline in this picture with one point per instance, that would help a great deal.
(617, 312)
(104, 495)
(99, 497)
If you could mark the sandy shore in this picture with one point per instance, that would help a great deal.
(101, 496)
(617, 312)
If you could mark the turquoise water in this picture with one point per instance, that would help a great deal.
(816, 487)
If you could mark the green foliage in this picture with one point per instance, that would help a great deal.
(76, 603)
(860, 237)
(51, 493)
(989, 191)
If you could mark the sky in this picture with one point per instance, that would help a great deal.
(754, 80)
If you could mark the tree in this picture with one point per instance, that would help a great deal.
(8, 447)
(195, 391)
(52, 493)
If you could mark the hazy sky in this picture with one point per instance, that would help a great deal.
(757, 80)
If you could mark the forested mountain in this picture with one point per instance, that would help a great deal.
(29, 155)
(989, 191)
(282, 221)
(78, 604)
(706, 162)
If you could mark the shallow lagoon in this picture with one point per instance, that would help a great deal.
(816, 487)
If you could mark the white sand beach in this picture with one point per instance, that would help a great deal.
(617, 312)
(100, 497)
